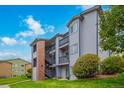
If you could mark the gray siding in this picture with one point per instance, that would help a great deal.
(88, 34)
(73, 39)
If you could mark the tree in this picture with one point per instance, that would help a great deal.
(29, 74)
(112, 29)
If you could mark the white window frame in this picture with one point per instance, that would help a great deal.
(74, 49)
(74, 27)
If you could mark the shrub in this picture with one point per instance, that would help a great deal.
(29, 73)
(122, 55)
(112, 65)
(86, 66)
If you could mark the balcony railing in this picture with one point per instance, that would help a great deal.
(50, 60)
(52, 48)
(64, 41)
(63, 59)
(50, 72)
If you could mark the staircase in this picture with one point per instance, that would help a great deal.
(48, 63)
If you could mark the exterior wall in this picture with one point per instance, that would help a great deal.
(88, 34)
(34, 73)
(73, 39)
(40, 60)
(5, 69)
(38, 72)
(18, 67)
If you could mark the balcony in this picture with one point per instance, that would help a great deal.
(52, 48)
(63, 59)
(49, 60)
(64, 41)
(34, 54)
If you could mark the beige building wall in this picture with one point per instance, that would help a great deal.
(18, 67)
(5, 69)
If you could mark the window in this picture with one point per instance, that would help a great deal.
(34, 48)
(14, 65)
(14, 69)
(34, 62)
(71, 29)
(74, 28)
(74, 49)
(22, 65)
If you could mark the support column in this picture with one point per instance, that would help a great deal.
(57, 56)
(38, 59)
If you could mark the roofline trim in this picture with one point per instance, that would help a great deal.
(83, 13)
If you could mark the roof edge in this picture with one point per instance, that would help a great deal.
(97, 7)
(36, 40)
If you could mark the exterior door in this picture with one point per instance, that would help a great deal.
(63, 72)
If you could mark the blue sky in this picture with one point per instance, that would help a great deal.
(19, 25)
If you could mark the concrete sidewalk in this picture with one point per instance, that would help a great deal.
(4, 86)
(18, 82)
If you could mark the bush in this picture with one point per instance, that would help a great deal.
(29, 74)
(112, 65)
(122, 56)
(86, 66)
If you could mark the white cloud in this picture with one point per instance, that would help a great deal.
(12, 41)
(34, 25)
(9, 41)
(84, 7)
(49, 28)
(24, 34)
(7, 55)
(4, 55)
(34, 28)
(22, 42)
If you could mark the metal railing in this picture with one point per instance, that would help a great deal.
(64, 41)
(48, 59)
(63, 59)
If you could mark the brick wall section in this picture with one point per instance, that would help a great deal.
(5, 69)
(41, 60)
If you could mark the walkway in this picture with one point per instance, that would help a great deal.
(7, 86)
(4, 86)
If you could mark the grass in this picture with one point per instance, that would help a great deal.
(5, 81)
(116, 82)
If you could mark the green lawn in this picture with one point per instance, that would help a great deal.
(5, 81)
(117, 82)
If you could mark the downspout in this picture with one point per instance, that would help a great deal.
(69, 55)
(80, 20)
(79, 38)
(97, 33)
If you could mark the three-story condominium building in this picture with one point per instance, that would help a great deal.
(55, 57)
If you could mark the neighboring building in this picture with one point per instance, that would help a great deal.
(5, 69)
(18, 67)
(14, 67)
(56, 56)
